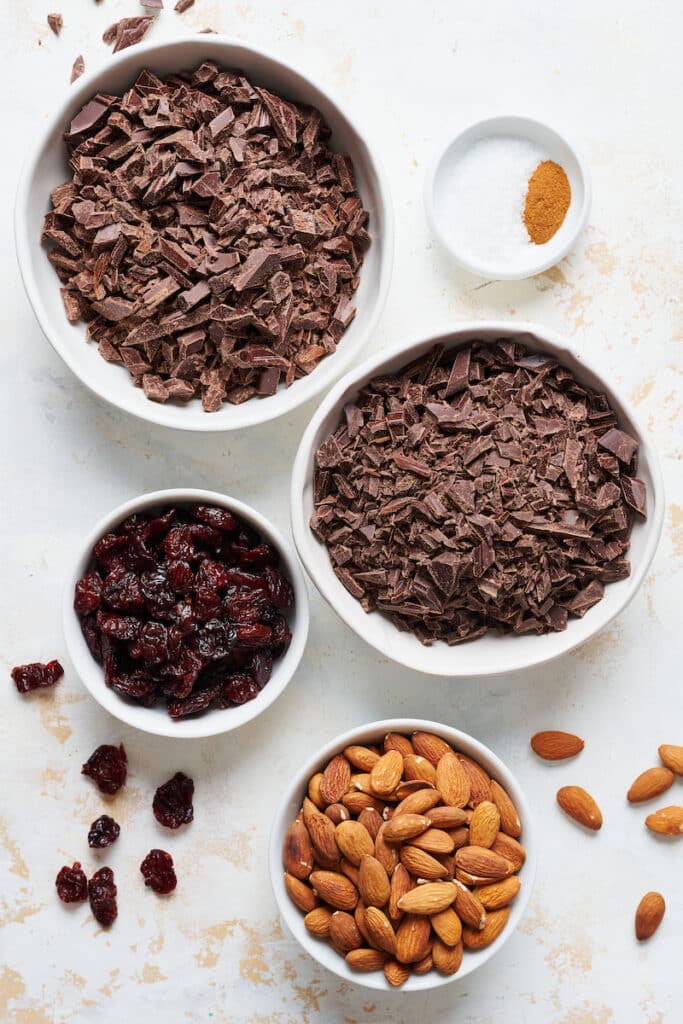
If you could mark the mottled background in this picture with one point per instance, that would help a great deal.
(215, 951)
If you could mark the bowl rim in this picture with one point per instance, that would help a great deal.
(293, 795)
(481, 268)
(334, 592)
(90, 672)
(152, 412)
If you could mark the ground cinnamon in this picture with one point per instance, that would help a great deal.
(547, 201)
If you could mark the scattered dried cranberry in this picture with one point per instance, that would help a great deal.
(157, 870)
(107, 767)
(103, 832)
(36, 676)
(72, 885)
(172, 804)
(179, 608)
(102, 896)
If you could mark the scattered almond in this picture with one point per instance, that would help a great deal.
(556, 746)
(580, 806)
(649, 915)
(667, 821)
(672, 757)
(649, 784)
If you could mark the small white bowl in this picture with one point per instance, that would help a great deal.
(47, 167)
(156, 720)
(491, 653)
(539, 257)
(289, 808)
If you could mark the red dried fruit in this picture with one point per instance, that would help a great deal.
(122, 591)
(280, 589)
(281, 635)
(88, 593)
(119, 627)
(91, 635)
(106, 766)
(259, 556)
(180, 577)
(36, 676)
(102, 896)
(239, 689)
(253, 634)
(158, 872)
(71, 883)
(261, 667)
(103, 832)
(219, 518)
(172, 803)
(197, 701)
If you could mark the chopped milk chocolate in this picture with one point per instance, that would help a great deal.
(478, 489)
(208, 236)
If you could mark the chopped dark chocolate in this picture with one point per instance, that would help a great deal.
(183, 5)
(56, 23)
(473, 491)
(209, 237)
(77, 69)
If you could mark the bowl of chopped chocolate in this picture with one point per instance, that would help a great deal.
(204, 236)
(478, 501)
(185, 613)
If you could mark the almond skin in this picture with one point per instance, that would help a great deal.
(447, 926)
(509, 818)
(495, 922)
(317, 922)
(344, 932)
(552, 745)
(335, 889)
(386, 773)
(335, 780)
(405, 826)
(373, 882)
(366, 959)
(426, 744)
(412, 939)
(580, 806)
(322, 833)
(362, 758)
(452, 781)
(499, 894)
(382, 935)
(430, 898)
(300, 894)
(421, 864)
(485, 824)
(649, 784)
(354, 841)
(667, 821)
(297, 852)
(396, 974)
(672, 757)
(447, 959)
(649, 915)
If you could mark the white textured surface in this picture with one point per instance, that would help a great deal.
(609, 74)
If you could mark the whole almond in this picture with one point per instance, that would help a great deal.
(447, 959)
(493, 926)
(373, 882)
(394, 741)
(354, 840)
(580, 806)
(511, 849)
(335, 889)
(426, 744)
(336, 779)
(429, 898)
(317, 922)
(469, 908)
(412, 939)
(382, 935)
(424, 966)
(297, 853)
(359, 918)
(485, 863)
(396, 974)
(447, 926)
(404, 826)
(421, 802)
(372, 821)
(300, 893)
(672, 757)
(386, 773)
(649, 784)
(434, 840)
(407, 787)
(667, 821)
(459, 837)
(361, 758)
(314, 790)
(357, 802)
(350, 870)
(419, 768)
(337, 813)
(366, 959)
(361, 782)
(452, 780)
(499, 894)
(480, 783)
(448, 861)
(649, 915)
(401, 883)
(552, 745)
(344, 931)
(385, 852)
(509, 818)
(421, 864)
(485, 824)
(322, 833)
(446, 817)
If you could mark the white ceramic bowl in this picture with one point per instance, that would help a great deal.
(539, 257)
(156, 719)
(289, 808)
(46, 167)
(491, 653)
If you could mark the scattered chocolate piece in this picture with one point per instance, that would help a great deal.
(76, 72)
(479, 488)
(127, 32)
(205, 207)
(56, 22)
(183, 5)
(155, 5)
(71, 884)
(36, 676)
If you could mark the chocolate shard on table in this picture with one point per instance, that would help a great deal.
(480, 488)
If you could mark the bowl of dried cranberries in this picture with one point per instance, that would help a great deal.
(185, 613)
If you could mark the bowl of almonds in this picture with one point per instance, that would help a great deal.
(402, 855)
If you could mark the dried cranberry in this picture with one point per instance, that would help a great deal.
(109, 548)
(122, 591)
(280, 589)
(178, 544)
(106, 766)
(219, 518)
(239, 689)
(207, 603)
(261, 667)
(137, 684)
(158, 872)
(253, 634)
(213, 575)
(88, 593)
(241, 578)
(246, 605)
(103, 832)
(120, 627)
(259, 557)
(215, 639)
(180, 577)
(197, 701)
(281, 635)
(72, 885)
(91, 635)
(102, 895)
(172, 803)
(36, 676)
(152, 643)
(184, 615)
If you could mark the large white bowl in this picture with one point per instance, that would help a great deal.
(491, 653)
(46, 167)
(289, 808)
(156, 719)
